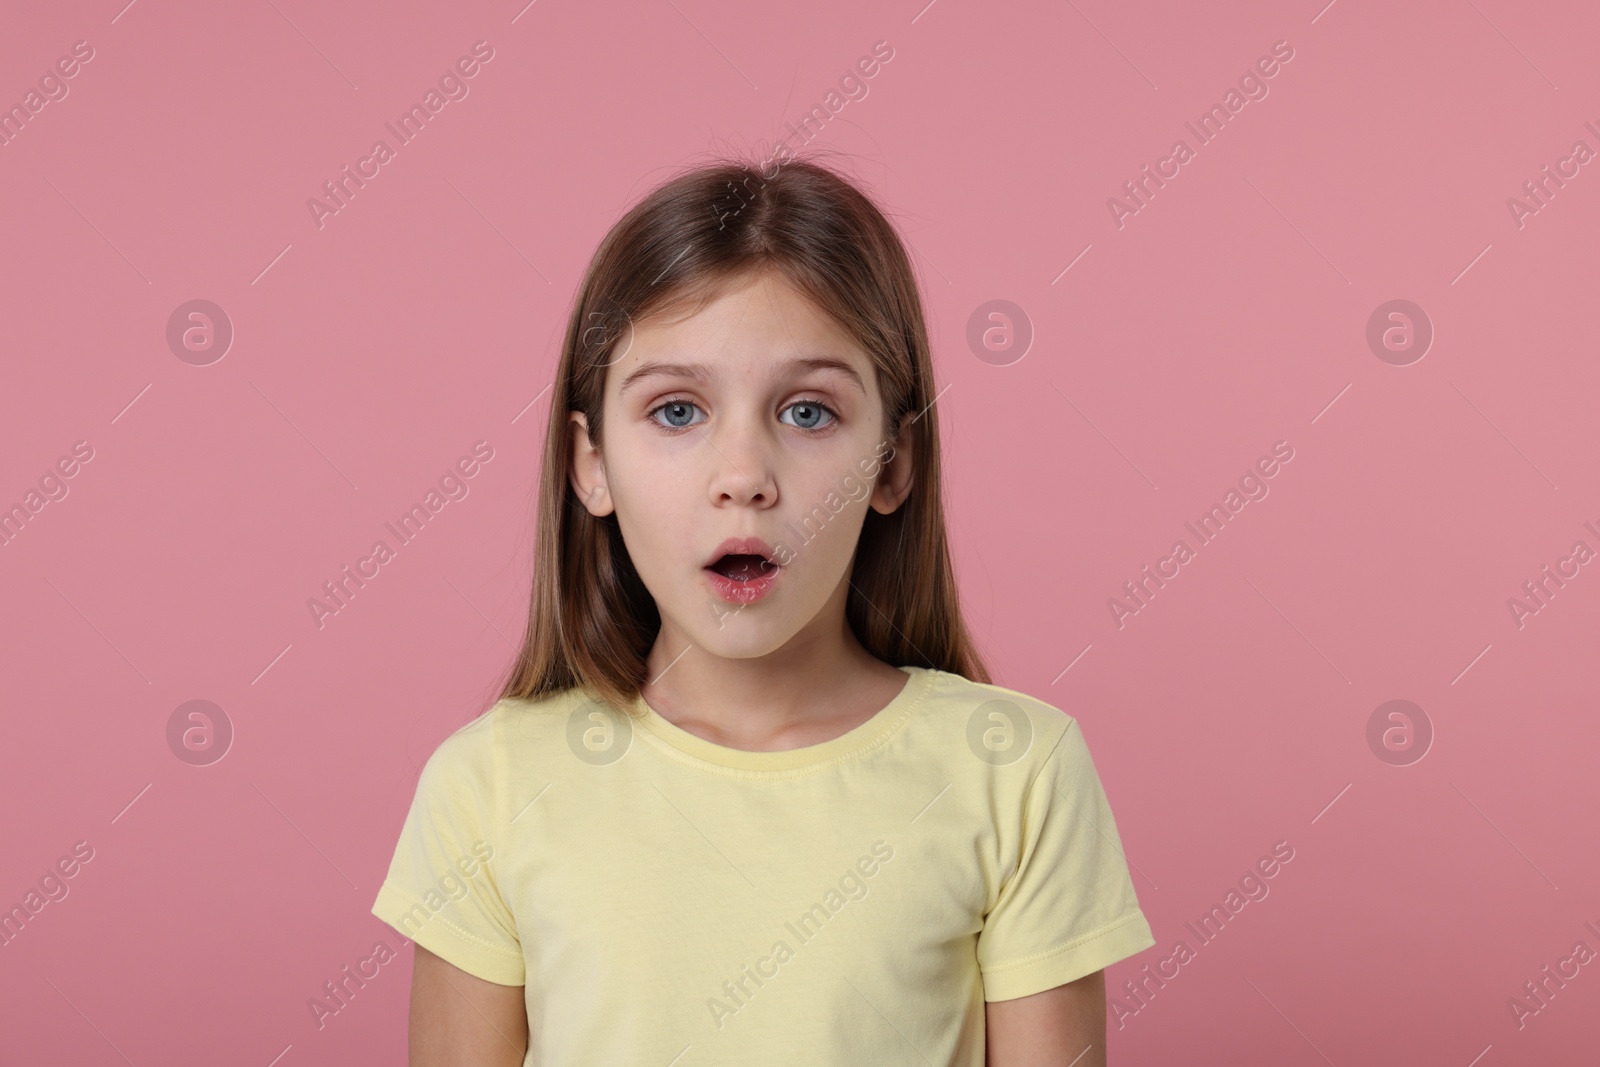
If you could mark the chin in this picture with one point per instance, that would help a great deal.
(740, 637)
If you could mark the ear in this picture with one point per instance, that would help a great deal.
(895, 476)
(588, 473)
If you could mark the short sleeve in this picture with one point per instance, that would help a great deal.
(1069, 908)
(441, 890)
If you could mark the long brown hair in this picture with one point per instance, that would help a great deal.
(591, 621)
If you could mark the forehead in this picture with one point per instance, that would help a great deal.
(754, 326)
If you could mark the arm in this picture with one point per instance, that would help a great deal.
(1059, 1027)
(458, 1019)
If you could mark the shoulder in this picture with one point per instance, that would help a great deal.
(956, 687)
(473, 753)
(1000, 726)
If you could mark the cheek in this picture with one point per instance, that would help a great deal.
(654, 501)
(634, 470)
(821, 504)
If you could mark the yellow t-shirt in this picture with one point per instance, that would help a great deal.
(667, 900)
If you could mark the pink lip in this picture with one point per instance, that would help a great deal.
(736, 592)
(741, 546)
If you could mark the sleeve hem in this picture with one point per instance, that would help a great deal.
(1077, 958)
(455, 946)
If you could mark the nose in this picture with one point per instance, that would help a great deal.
(740, 458)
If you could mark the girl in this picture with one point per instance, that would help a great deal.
(748, 796)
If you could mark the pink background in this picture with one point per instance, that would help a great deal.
(1228, 314)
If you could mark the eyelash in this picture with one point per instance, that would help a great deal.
(811, 401)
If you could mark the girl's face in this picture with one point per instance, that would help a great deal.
(755, 418)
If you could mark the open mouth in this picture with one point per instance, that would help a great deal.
(742, 570)
(744, 567)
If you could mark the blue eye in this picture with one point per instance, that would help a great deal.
(809, 414)
(676, 410)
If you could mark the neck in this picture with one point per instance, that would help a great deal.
(819, 684)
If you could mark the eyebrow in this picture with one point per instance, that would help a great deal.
(700, 372)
